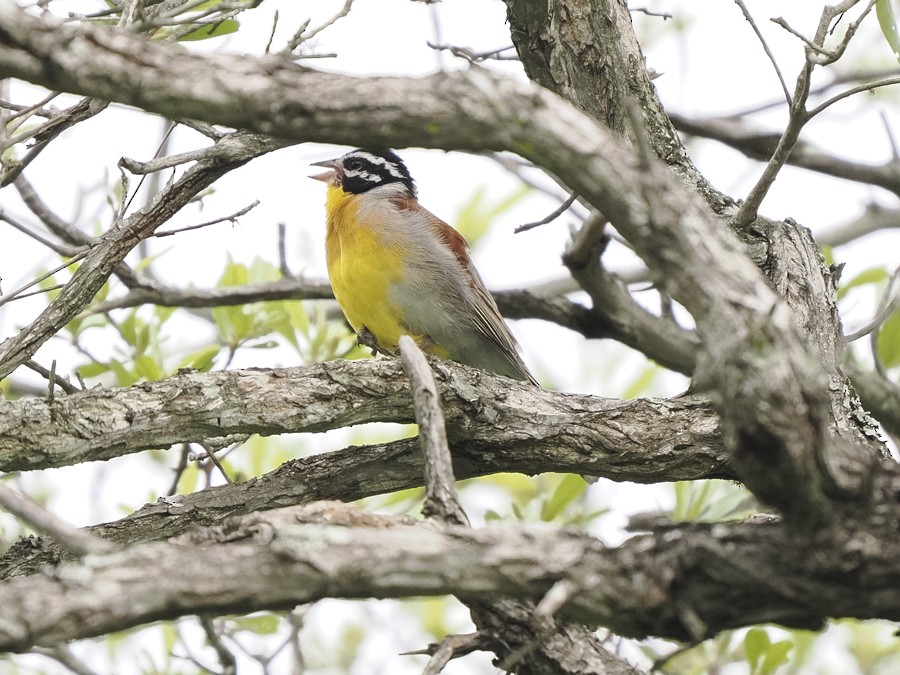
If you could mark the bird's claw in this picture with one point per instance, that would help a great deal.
(364, 338)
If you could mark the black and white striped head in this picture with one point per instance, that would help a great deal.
(362, 169)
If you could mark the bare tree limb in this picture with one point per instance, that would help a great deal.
(441, 500)
(78, 542)
(442, 504)
(765, 46)
(296, 555)
(203, 407)
(53, 127)
(759, 144)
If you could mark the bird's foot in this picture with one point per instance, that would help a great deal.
(364, 338)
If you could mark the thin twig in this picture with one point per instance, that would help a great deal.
(63, 383)
(40, 291)
(18, 108)
(61, 228)
(78, 542)
(302, 35)
(838, 80)
(765, 46)
(869, 86)
(25, 113)
(549, 219)
(282, 252)
(203, 128)
(63, 656)
(84, 109)
(888, 302)
(226, 658)
(71, 261)
(644, 10)
(55, 246)
(799, 116)
(441, 500)
(179, 469)
(232, 219)
(797, 34)
(211, 456)
(451, 647)
(159, 148)
(272, 33)
(472, 56)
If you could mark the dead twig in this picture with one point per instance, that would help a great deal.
(765, 46)
(231, 219)
(78, 542)
(441, 500)
(550, 218)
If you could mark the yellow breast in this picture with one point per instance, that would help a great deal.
(362, 267)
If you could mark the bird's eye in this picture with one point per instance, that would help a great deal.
(355, 164)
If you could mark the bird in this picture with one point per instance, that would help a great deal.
(397, 269)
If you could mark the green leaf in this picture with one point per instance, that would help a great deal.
(736, 503)
(297, 314)
(433, 612)
(261, 624)
(163, 314)
(777, 655)
(887, 18)
(570, 488)
(475, 217)
(202, 359)
(124, 377)
(147, 368)
(279, 318)
(642, 383)
(212, 30)
(756, 643)
(144, 263)
(128, 328)
(873, 275)
(93, 369)
(188, 481)
(889, 341)
(491, 515)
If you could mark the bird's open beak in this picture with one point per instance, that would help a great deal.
(325, 176)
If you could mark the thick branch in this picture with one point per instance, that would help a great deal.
(587, 52)
(481, 410)
(684, 583)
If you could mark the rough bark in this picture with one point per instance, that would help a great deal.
(587, 52)
(685, 584)
(515, 422)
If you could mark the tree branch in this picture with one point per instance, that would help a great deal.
(201, 407)
(684, 583)
(441, 499)
(77, 542)
(759, 144)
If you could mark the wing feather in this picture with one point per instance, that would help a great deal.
(485, 316)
